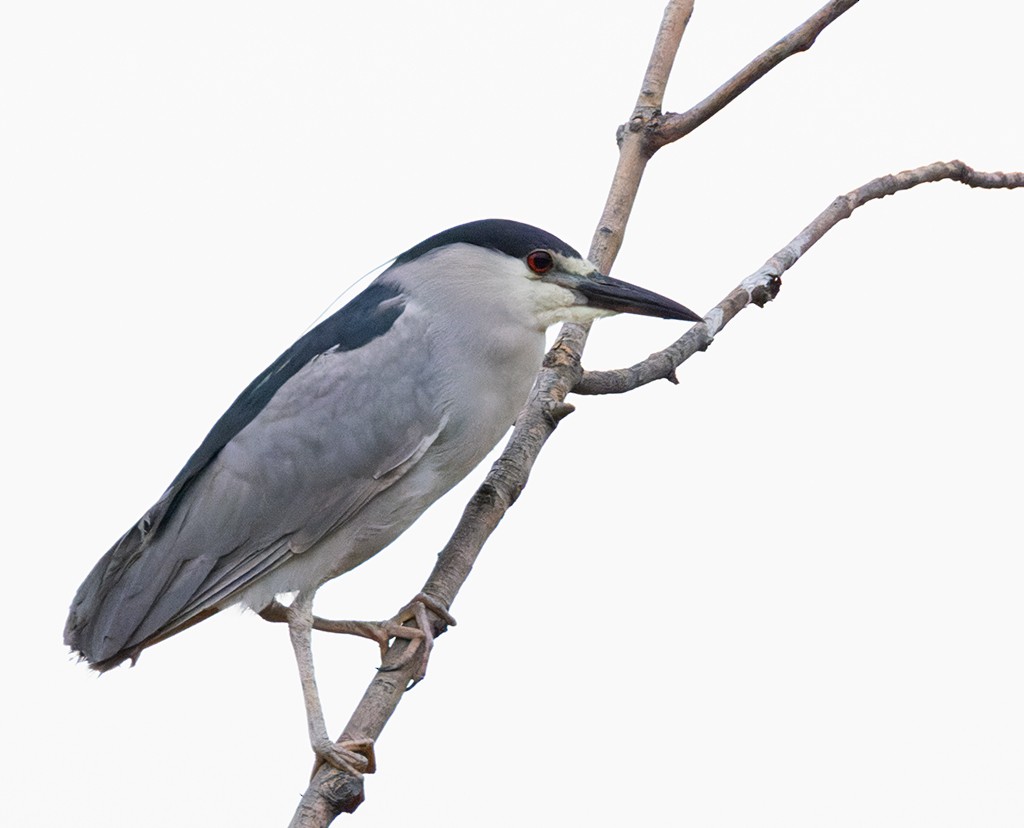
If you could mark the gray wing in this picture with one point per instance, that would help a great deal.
(338, 428)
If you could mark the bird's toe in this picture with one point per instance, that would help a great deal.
(353, 756)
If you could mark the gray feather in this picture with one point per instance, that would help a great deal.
(301, 466)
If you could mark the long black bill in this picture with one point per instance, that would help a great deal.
(621, 297)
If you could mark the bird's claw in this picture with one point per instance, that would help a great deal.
(432, 604)
(420, 637)
(353, 756)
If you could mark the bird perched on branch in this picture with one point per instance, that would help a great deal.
(340, 444)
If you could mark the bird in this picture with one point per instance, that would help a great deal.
(340, 444)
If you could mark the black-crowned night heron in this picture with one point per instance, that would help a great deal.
(337, 447)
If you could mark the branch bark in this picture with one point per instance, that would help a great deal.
(331, 791)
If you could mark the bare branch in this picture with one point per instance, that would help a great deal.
(763, 285)
(671, 127)
(659, 67)
(332, 791)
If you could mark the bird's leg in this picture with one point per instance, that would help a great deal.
(380, 631)
(421, 637)
(356, 756)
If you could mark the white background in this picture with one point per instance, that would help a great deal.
(786, 592)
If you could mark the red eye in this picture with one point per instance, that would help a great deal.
(540, 261)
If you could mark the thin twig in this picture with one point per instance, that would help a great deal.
(763, 285)
(673, 126)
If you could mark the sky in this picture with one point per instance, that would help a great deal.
(784, 592)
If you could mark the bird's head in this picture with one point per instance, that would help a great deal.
(530, 271)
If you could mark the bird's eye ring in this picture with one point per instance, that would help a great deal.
(540, 261)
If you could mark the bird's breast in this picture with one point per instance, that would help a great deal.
(487, 390)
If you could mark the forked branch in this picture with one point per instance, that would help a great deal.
(672, 126)
(332, 791)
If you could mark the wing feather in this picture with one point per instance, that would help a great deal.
(343, 427)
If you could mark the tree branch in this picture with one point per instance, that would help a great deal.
(763, 285)
(633, 150)
(332, 791)
(671, 126)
